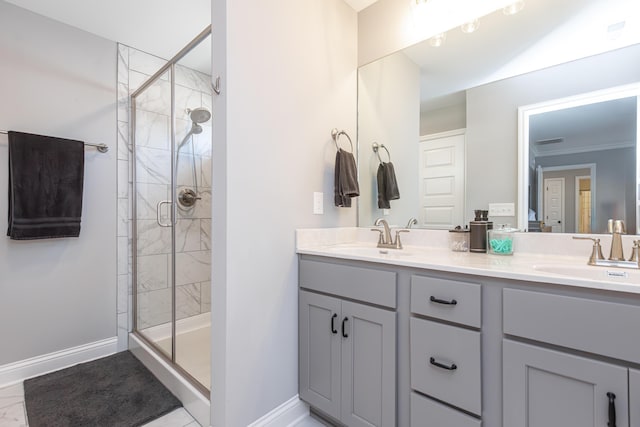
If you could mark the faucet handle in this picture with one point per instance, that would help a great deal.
(596, 253)
(380, 238)
(398, 243)
(412, 221)
(634, 251)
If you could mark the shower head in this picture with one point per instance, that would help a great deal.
(199, 115)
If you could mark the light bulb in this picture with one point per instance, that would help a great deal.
(438, 40)
(513, 8)
(470, 27)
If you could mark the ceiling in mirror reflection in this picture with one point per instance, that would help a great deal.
(601, 126)
(543, 34)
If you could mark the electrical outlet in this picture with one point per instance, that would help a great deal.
(502, 209)
(386, 212)
(318, 203)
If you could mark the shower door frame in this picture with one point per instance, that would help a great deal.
(169, 66)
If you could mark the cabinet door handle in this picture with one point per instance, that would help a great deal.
(612, 409)
(441, 301)
(344, 332)
(451, 367)
(333, 326)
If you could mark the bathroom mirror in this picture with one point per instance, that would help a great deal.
(454, 108)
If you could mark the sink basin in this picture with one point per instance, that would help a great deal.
(609, 274)
(368, 251)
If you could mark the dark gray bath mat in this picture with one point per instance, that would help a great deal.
(115, 391)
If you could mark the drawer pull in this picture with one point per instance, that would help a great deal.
(451, 367)
(441, 301)
(612, 410)
(344, 333)
(333, 326)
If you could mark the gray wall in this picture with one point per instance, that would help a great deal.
(445, 119)
(60, 81)
(492, 117)
(614, 197)
(285, 84)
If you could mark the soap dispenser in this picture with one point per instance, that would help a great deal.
(479, 227)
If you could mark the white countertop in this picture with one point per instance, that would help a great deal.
(532, 263)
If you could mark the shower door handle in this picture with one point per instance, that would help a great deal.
(159, 215)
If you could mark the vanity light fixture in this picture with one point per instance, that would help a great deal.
(470, 26)
(513, 8)
(438, 40)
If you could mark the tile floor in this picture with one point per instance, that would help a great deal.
(13, 412)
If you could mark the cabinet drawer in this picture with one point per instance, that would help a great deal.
(429, 413)
(600, 327)
(362, 284)
(429, 297)
(435, 343)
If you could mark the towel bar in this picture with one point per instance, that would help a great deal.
(335, 134)
(376, 149)
(103, 148)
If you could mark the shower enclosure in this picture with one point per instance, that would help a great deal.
(171, 265)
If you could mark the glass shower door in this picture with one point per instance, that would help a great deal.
(154, 226)
(172, 145)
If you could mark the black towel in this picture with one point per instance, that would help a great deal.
(346, 179)
(45, 186)
(387, 185)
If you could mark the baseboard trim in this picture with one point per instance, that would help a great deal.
(16, 372)
(285, 415)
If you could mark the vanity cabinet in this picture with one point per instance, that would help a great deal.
(543, 386)
(347, 348)
(389, 345)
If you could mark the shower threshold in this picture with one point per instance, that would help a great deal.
(194, 400)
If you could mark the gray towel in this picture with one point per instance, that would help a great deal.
(387, 185)
(346, 179)
(45, 186)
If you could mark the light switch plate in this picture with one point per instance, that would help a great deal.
(386, 211)
(318, 204)
(502, 209)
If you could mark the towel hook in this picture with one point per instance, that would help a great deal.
(376, 149)
(335, 135)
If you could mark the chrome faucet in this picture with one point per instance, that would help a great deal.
(412, 221)
(616, 256)
(385, 236)
(385, 240)
(617, 229)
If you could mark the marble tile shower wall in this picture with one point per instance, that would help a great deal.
(193, 240)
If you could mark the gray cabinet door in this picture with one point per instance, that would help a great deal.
(543, 388)
(634, 397)
(368, 366)
(319, 348)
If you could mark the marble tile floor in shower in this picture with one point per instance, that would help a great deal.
(13, 412)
